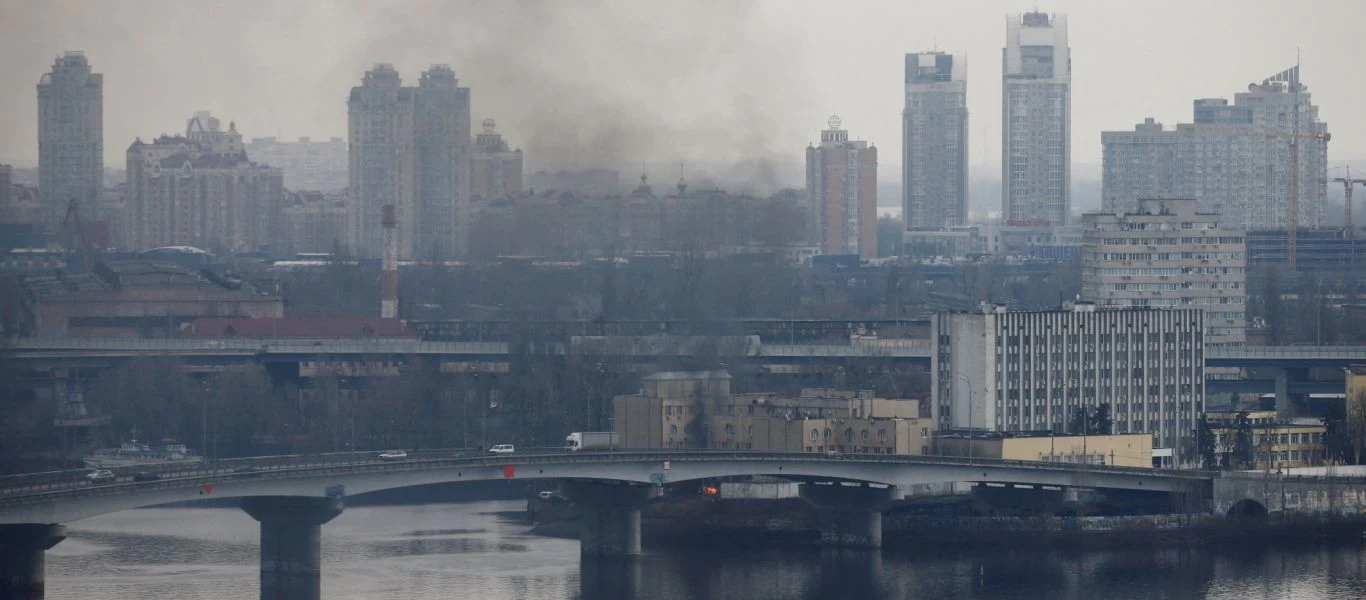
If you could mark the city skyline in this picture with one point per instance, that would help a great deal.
(666, 116)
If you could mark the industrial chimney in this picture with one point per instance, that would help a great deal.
(388, 283)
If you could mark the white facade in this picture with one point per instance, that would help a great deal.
(1235, 159)
(1167, 255)
(1029, 371)
(934, 134)
(1036, 109)
(308, 165)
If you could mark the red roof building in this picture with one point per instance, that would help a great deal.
(296, 328)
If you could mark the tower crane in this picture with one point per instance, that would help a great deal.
(1292, 77)
(1347, 185)
(72, 225)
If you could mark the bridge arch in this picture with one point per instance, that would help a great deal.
(1247, 509)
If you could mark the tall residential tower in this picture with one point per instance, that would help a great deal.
(934, 137)
(841, 187)
(70, 136)
(1036, 111)
(409, 148)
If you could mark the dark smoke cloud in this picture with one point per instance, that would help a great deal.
(706, 85)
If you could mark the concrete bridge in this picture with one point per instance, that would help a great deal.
(54, 350)
(1283, 370)
(293, 498)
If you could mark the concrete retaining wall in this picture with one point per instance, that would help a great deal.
(1294, 494)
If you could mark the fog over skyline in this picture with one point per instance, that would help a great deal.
(735, 89)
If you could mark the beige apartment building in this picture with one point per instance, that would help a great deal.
(841, 187)
(697, 410)
(1167, 254)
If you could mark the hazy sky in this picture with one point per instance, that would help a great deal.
(702, 83)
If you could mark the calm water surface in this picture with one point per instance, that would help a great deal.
(465, 551)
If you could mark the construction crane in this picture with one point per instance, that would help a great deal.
(1292, 218)
(1347, 184)
(73, 227)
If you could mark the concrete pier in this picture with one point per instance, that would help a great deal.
(850, 516)
(23, 561)
(291, 551)
(609, 517)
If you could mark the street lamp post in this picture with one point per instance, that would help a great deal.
(972, 395)
(204, 421)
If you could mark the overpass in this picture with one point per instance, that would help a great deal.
(293, 497)
(915, 350)
(1282, 370)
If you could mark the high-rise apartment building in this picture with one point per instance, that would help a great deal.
(381, 153)
(308, 165)
(441, 116)
(495, 171)
(200, 189)
(313, 221)
(1235, 159)
(1166, 254)
(934, 134)
(841, 187)
(1036, 132)
(70, 135)
(1138, 164)
(409, 148)
(997, 370)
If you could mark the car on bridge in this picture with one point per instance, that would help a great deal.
(393, 455)
(502, 449)
(141, 476)
(100, 476)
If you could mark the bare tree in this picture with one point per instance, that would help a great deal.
(1356, 424)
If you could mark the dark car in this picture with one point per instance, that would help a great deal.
(146, 476)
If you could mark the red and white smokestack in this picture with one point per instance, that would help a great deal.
(388, 299)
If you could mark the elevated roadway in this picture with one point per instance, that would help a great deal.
(904, 349)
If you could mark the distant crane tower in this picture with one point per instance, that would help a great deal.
(1347, 185)
(71, 223)
(1292, 217)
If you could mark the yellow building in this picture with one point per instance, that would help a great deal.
(1124, 450)
(1276, 442)
(1356, 381)
(697, 410)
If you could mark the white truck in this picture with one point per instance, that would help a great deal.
(591, 440)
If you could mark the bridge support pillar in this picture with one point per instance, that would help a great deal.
(291, 550)
(609, 517)
(22, 558)
(1284, 410)
(850, 517)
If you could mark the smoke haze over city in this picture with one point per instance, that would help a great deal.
(734, 90)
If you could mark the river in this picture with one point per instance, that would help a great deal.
(467, 551)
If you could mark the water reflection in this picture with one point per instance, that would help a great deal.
(443, 551)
